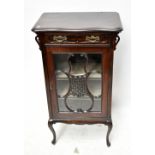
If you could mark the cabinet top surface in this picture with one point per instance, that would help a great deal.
(79, 21)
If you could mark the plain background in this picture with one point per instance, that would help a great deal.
(76, 139)
(141, 128)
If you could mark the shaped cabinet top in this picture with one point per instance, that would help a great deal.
(79, 21)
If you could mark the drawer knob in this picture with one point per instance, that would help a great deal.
(59, 39)
(92, 38)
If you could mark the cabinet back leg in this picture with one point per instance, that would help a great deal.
(109, 124)
(50, 125)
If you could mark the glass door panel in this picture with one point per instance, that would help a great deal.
(78, 82)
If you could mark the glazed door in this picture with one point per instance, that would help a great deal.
(78, 84)
(78, 81)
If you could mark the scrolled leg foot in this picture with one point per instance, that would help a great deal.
(50, 125)
(109, 124)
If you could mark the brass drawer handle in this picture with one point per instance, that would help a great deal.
(59, 39)
(92, 38)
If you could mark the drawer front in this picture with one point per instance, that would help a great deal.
(77, 38)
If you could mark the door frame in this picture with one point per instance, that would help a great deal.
(107, 66)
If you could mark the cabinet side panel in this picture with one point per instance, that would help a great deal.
(47, 81)
(108, 70)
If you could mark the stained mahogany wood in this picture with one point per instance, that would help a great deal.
(73, 31)
(78, 21)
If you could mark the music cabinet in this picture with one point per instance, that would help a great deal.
(77, 51)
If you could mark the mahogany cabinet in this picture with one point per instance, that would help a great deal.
(77, 51)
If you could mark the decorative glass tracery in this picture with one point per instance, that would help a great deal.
(79, 82)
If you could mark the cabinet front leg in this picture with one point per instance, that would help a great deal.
(109, 124)
(50, 125)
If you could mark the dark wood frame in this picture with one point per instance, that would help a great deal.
(76, 42)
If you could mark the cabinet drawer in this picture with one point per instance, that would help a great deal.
(77, 38)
